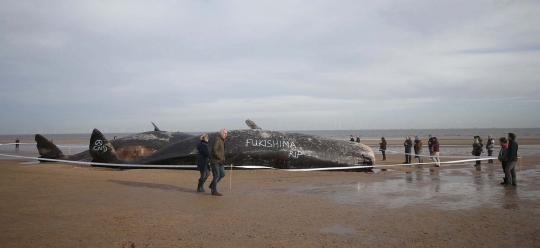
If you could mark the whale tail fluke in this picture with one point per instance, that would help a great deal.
(101, 149)
(47, 149)
(251, 124)
(155, 127)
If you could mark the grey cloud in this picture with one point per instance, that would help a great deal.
(132, 60)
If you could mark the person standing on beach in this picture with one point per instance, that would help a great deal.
(407, 144)
(511, 159)
(436, 152)
(502, 156)
(489, 146)
(357, 139)
(418, 149)
(17, 144)
(351, 138)
(217, 159)
(382, 148)
(430, 146)
(477, 149)
(202, 161)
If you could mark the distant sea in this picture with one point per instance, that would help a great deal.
(521, 133)
(391, 134)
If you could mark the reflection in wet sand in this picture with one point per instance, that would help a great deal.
(447, 189)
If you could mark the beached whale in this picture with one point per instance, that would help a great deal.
(250, 147)
(129, 148)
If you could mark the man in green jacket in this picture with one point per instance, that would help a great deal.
(217, 159)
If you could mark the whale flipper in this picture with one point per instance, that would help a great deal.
(101, 149)
(251, 124)
(47, 149)
(155, 127)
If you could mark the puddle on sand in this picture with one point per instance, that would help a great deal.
(30, 162)
(337, 229)
(448, 189)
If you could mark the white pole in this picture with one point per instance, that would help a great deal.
(230, 178)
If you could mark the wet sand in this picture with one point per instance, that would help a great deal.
(63, 205)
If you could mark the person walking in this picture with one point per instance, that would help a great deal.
(382, 148)
(418, 149)
(490, 146)
(430, 146)
(511, 159)
(436, 152)
(17, 144)
(503, 142)
(217, 159)
(407, 144)
(202, 161)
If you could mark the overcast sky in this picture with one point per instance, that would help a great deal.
(202, 65)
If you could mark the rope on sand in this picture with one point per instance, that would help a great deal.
(230, 166)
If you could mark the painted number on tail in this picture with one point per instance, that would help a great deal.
(98, 146)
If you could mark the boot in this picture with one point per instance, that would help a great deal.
(504, 181)
(200, 187)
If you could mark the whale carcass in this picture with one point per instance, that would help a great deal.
(250, 147)
(129, 148)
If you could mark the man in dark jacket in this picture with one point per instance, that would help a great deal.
(408, 145)
(511, 160)
(202, 161)
(217, 159)
(477, 149)
(382, 148)
(430, 146)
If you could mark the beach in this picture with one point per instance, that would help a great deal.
(455, 205)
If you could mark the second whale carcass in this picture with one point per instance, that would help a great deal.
(129, 148)
(251, 147)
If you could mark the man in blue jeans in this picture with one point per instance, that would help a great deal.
(217, 159)
(511, 160)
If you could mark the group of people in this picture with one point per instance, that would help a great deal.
(433, 145)
(478, 148)
(507, 155)
(357, 139)
(211, 160)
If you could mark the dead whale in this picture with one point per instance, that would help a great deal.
(129, 148)
(250, 147)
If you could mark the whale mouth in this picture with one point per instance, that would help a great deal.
(365, 157)
(366, 161)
